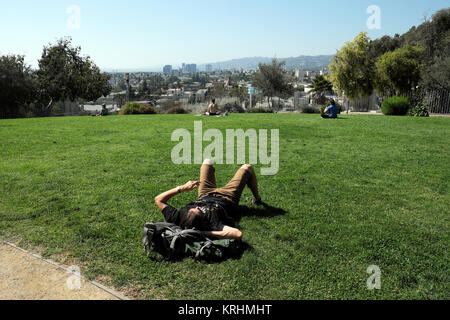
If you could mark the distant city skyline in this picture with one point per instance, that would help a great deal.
(151, 34)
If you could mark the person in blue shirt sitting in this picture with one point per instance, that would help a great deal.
(331, 111)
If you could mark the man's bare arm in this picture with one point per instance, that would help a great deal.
(226, 233)
(162, 199)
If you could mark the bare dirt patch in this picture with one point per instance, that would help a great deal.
(24, 276)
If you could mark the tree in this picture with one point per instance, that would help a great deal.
(352, 69)
(131, 93)
(436, 73)
(431, 35)
(95, 83)
(239, 92)
(272, 80)
(319, 87)
(143, 89)
(120, 99)
(398, 71)
(17, 86)
(65, 75)
(121, 85)
(434, 36)
(172, 80)
(219, 90)
(437, 76)
(156, 84)
(385, 44)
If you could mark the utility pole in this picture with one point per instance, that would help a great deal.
(127, 79)
(251, 91)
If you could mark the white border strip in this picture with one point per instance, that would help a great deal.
(95, 283)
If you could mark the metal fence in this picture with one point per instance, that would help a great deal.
(436, 101)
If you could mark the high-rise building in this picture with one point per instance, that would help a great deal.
(167, 69)
(299, 73)
(209, 68)
(191, 68)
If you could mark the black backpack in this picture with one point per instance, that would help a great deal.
(174, 243)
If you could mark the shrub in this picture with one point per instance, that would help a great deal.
(395, 106)
(234, 107)
(147, 109)
(130, 108)
(419, 111)
(309, 109)
(259, 110)
(168, 104)
(322, 108)
(137, 108)
(177, 110)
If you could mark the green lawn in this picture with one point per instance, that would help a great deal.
(359, 191)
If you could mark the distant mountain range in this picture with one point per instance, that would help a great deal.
(301, 62)
(251, 63)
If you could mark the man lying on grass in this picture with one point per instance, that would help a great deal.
(215, 209)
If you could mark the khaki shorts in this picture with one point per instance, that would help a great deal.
(232, 191)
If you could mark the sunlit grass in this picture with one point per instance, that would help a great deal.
(359, 191)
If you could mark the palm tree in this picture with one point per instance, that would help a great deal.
(320, 86)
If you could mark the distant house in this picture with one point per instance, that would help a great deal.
(201, 95)
(94, 108)
(113, 94)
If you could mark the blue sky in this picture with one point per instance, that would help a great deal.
(141, 33)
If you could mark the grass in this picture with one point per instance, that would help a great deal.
(358, 191)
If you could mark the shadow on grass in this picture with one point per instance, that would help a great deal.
(236, 251)
(338, 118)
(233, 252)
(264, 211)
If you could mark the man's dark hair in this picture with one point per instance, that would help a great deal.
(190, 220)
(332, 102)
(213, 100)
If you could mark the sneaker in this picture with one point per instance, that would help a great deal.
(257, 201)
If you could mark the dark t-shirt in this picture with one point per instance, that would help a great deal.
(218, 212)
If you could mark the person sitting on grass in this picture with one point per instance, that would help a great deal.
(215, 210)
(331, 111)
(213, 109)
(103, 112)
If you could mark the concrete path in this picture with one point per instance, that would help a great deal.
(27, 276)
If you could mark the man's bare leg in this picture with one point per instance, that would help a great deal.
(207, 178)
(252, 183)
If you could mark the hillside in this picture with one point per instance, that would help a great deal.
(302, 62)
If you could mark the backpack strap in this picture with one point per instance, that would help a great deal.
(190, 235)
(205, 245)
(186, 234)
(147, 237)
